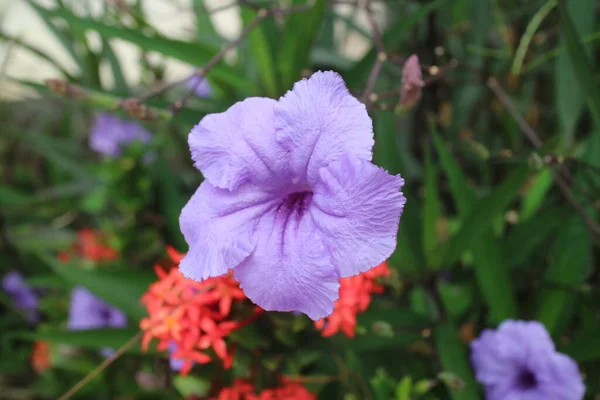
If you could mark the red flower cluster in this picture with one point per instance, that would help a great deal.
(191, 316)
(243, 390)
(355, 297)
(89, 246)
(40, 356)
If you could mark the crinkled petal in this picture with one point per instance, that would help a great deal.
(357, 207)
(318, 121)
(238, 145)
(219, 226)
(290, 270)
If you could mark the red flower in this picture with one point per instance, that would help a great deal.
(355, 297)
(90, 245)
(40, 356)
(243, 390)
(191, 316)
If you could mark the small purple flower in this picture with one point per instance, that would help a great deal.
(519, 361)
(89, 312)
(199, 85)
(291, 200)
(412, 82)
(111, 133)
(23, 296)
(176, 363)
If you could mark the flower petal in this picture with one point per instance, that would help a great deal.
(290, 270)
(238, 145)
(219, 225)
(357, 207)
(318, 121)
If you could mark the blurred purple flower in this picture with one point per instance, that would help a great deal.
(89, 312)
(200, 86)
(291, 199)
(176, 363)
(519, 361)
(412, 82)
(23, 296)
(111, 133)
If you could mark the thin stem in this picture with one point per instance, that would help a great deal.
(101, 367)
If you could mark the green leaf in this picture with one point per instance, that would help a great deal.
(263, 54)
(194, 53)
(119, 79)
(573, 255)
(493, 279)
(526, 237)
(585, 347)
(454, 358)
(536, 194)
(463, 194)
(481, 218)
(404, 389)
(120, 288)
(570, 99)
(171, 201)
(431, 208)
(91, 338)
(392, 38)
(191, 386)
(298, 36)
(581, 64)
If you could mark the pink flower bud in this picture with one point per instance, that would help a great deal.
(412, 82)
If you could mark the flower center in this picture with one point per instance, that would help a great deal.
(526, 380)
(297, 201)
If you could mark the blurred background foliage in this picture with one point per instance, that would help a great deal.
(501, 158)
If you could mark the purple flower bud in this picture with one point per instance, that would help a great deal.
(519, 361)
(111, 133)
(23, 296)
(200, 86)
(89, 312)
(412, 82)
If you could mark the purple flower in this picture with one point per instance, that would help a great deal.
(89, 312)
(199, 85)
(23, 296)
(412, 82)
(111, 133)
(176, 363)
(291, 200)
(519, 361)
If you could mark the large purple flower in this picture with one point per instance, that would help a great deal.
(111, 133)
(519, 361)
(291, 199)
(23, 296)
(89, 312)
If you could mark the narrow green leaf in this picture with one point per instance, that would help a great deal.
(404, 389)
(296, 42)
(570, 99)
(120, 288)
(481, 218)
(573, 255)
(529, 235)
(464, 195)
(194, 53)
(454, 358)
(581, 63)
(262, 53)
(431, 208)
(536, 194)
(171, 201)
(493, 279)
(115, 66)
(91, 338)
